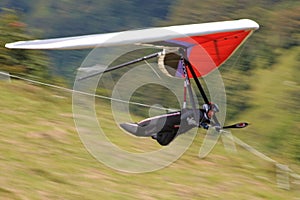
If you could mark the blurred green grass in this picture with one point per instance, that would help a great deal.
(42, 156)
(275, 104)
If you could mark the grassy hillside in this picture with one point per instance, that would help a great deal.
(42, 156)
(274, 107)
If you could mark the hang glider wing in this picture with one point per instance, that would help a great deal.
(208, 45)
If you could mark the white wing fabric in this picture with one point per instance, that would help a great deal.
(149, 35)
(208, 45)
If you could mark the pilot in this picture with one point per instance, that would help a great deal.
(164, 128)
(184, 121)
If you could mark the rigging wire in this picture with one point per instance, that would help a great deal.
(241, 51)
(154, 71)
(84, 93)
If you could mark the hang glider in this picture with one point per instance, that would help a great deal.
(191, 51)
(204, 42)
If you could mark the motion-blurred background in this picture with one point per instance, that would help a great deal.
(43, 158)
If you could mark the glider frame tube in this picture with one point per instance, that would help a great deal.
(123, 65)
(190, 67)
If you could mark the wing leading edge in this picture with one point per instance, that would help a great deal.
(208, 45)
(149, 35)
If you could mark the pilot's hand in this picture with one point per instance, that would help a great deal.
(204, 125)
